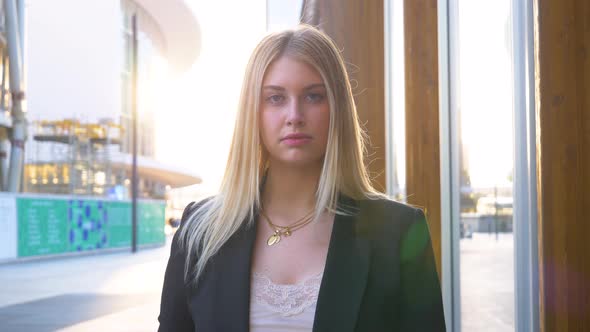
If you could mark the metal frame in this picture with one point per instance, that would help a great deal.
(391, 32)
(388, 65)
(526, 274)
(449, 162)
(14, 21)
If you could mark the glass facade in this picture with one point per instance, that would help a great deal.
(483, 104)
(477, 147)
(81, 155)
(151, 71)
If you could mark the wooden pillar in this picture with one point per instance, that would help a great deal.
(357, 28)
(422, 112)
(562, 68)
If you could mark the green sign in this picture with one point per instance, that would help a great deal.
(150, 219)
(87, 225)
(119, 224)
(41, 226)
(151, 223)
(54, 226)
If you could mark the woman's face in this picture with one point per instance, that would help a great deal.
(294, 113)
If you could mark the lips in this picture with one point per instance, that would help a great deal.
(296, 140)
(296, 137)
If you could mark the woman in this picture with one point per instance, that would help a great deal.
(298, 239)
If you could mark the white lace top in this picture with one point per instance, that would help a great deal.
(283, 307)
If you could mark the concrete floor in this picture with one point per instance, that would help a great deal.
(487, 283)
(121, 291)
(108, 292)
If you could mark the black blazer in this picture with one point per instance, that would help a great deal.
(380, 275)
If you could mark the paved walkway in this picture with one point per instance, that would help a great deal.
(107, 292)
(487, 283)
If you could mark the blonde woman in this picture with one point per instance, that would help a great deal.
(297, 238)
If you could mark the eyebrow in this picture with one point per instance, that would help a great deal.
(280, 88)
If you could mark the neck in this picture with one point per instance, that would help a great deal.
(290, 190)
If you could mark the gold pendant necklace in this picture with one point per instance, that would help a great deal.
(285, 230)
(274, 238)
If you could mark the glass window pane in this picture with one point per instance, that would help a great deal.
(485, 112)
(396, 100)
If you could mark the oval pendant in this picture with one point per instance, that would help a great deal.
(273, 239)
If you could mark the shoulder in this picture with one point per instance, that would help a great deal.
(191, 208)
(387, 208)
(388, 222)
(386, 214)
(387, 205)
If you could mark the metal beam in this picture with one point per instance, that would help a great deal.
(19, 124)
(525, 186)
(134, 177)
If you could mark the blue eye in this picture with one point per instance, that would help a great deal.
(275, 99)
(314, 98)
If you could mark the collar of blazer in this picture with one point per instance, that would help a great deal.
(221, 302)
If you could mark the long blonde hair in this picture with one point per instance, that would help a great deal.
(210, 226)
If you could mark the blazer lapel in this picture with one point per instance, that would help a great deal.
(222, 300)
(345, 276)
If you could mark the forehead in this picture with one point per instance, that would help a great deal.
(287, 71)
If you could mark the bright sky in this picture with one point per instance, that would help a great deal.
(195, 131)
(486, 90)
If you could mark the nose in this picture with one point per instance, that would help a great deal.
(295, 116)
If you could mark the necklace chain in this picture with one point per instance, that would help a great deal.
(285, 230)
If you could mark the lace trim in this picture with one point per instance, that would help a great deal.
(285, 299)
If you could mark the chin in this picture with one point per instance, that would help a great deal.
(302, 162)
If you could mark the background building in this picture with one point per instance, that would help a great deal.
(79, 138)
